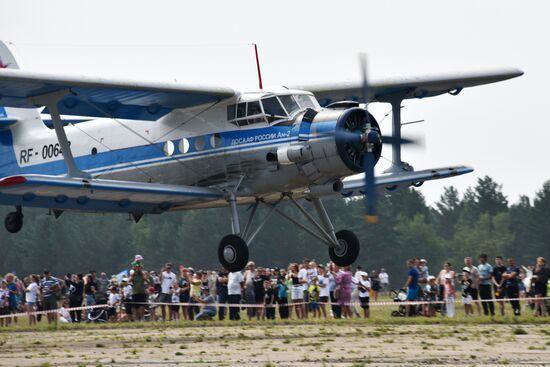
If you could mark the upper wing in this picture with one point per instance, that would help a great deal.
(404, 88)
(103, 97)
(406, 178)
(99, 195)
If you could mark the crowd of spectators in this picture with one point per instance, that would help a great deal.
(303, 290)
(477, 286)
(306, 290)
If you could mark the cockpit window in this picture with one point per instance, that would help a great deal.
(231, 112)
(304, 101)
(290, 104)
(273, 109)
(255, 110)
(241, 110)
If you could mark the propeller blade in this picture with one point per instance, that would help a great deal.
(370, 188)
(402, 141)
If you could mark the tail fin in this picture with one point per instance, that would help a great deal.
(10, 116)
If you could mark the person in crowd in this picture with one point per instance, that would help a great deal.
(498, 282)
(221, 287)
(270, 291)
(314, 290)
(64, 314)
(103, 284)
(423, 274)
(540, 285)
(432, 296)
(235, 285)
(207, 300)
(155, 281)
(375, 285)
(185, 288)
(303, 279)
(343, 283)
(75, 283)
(447, 270)
(324, 294)
(175, 307)
(195, 283)
(334, 270)
(411, 285)
(113, 301)
(282, 295)
(4, 303)
(485, 289)
(466, 285)
(152, 300)
(13, 296)
(168, 280)
(250, 298)
(139, 280)
(384, 281)
(32, 295)
(297, 289)
(511, 279)
(474, 275)
(259, 292)
(363, 287)
(90, 290)
(449, 296)
(50, 286)
(127, 299)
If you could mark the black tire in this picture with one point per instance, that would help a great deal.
(233, 253)
(349, 251)
(396, 314)
(14, 222)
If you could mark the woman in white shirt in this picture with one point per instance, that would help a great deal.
(31, 296)
(322, 282)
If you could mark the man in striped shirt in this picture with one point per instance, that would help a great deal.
(50, 287)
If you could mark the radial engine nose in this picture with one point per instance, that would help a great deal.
(355, 129)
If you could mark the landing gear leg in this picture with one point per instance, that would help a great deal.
(346, 249)
(232, 250)
(14, 220)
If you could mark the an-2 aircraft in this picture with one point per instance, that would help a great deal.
(146, 148)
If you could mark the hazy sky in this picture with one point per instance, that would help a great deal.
(501, 130)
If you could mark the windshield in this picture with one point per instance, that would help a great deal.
(290, 104)
(305, 101)
(273, 109)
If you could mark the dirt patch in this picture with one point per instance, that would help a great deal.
(281, 345)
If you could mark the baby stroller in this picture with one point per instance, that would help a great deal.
(401, 296)
(98, 314)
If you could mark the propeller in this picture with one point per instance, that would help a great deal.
(371, 137)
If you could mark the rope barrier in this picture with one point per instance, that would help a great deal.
(273, 305)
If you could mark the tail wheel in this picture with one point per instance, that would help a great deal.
(233, 253)
(14, 222)
(348, 251)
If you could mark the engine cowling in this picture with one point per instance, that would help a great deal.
(350, 147)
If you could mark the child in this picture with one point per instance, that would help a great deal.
(364, 287)
(113, 301)
(449, 295)
(269, 299)
(314, 291)
(175, 308)
(432, 292)
(127, 299)
(4, 302)
(467, 289)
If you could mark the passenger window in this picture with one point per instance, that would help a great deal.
(231, 112)
(290, 104)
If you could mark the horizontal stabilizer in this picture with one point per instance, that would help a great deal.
(96, 195)
(405, 178)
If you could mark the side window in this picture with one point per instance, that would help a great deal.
(254, 109)
(273, 109)
(304, 101)
(290, 104)
(231, 112)
(241, 110)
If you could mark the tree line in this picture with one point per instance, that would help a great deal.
(480, 220)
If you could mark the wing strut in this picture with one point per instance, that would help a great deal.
(397, 165)
(50, 101)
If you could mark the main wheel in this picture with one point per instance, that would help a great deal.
(14, 222)
(233, 253)
(348, 251)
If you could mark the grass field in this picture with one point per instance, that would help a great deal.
(381, 340)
